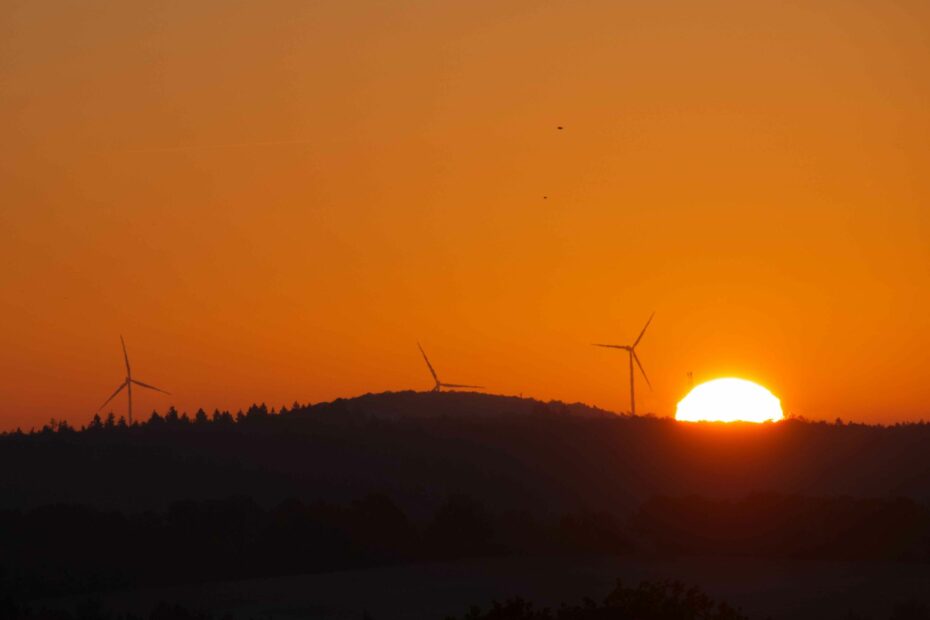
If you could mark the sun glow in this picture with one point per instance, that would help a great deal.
(729, 400)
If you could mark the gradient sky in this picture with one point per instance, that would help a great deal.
(273, 201)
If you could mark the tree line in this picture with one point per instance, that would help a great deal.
(171, 418)
(354, 406)
(72, 549)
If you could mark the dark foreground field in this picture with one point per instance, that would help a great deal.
(782, 590)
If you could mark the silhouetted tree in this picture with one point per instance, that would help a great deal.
(171, 416)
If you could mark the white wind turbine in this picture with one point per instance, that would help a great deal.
(631, 349)
(128, 383)
(439, 384)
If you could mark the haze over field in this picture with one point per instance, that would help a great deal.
(274, 201)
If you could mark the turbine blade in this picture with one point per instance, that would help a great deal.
(610, 346)
(457, 385)
(151, 387)
(113, 395)
(644, 330)
(428, 365)
(125, 355)
(638, 363)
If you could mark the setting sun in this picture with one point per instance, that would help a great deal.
(729, 400)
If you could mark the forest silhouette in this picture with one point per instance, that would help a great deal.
(414, 477)
(419, 448)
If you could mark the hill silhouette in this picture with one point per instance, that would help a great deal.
(420, 448)
(399, 478)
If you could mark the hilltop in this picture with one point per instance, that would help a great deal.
(410, 404)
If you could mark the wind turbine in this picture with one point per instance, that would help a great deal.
(631, 349)
(127, 384)
(439, 384)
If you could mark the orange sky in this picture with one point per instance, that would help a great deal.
(275, 200)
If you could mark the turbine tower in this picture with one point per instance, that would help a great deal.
(439, 384)
(127, 384)
(631, 349)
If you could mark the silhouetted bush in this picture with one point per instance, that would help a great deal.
(648, 601)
